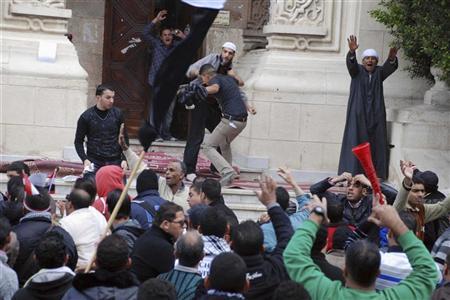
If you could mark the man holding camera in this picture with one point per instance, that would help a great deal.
(207, 114)
(234, 119)
(161, 48)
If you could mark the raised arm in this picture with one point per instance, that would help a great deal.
(407, 168)
(435, 211)
(352, 63)
(324, 185)
(131, 157)
(148, 33)
(298, 261)
(390, 65)
(280, 221)
(421, 282)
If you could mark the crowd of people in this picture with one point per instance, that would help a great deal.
(323, 245)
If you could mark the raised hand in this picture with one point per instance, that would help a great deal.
(346, 176)
(286, 174)
(267, 194)
(352, 43)
(407, 168)
(162, 15)
(392, 53)
(362, 179)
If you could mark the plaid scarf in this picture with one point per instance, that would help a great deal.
(215, 245)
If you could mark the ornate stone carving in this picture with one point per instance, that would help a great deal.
(44, 3)
(35, 15)
(304, 25)
(298, 12)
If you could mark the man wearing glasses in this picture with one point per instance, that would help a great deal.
(153, 252)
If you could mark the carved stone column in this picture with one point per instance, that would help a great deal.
(43, 87)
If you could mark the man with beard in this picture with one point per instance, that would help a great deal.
(366, 112)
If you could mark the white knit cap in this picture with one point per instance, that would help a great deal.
(230, 46)
(369, 52)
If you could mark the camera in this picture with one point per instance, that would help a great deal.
(192, 94)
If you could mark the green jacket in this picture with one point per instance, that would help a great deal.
(418, 285)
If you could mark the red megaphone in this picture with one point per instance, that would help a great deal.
(362, 152)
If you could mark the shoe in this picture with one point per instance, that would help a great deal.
(227, 179)
(159, 140)
(191, 177)
(173, 139)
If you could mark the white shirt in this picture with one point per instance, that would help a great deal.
(86, 226)
(180, 197)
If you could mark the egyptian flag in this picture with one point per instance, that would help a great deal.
(30, 189)
(172, 71)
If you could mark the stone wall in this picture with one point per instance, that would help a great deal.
(87, 26)
(43, 87)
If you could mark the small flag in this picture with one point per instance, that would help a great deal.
(30, 189)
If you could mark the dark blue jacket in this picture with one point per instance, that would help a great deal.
(266, 272)
(138, 207)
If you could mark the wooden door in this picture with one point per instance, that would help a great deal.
(126, 56)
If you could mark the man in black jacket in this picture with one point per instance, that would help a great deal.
(100, 124)
(31, 229)
(212, 195)
(54, 278)
(357, 202)
(153, 251)
(265, 272)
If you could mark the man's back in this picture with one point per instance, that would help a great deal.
(185, 280)
(152, 254)
(229, 96)
(145, 206)
(85, 225)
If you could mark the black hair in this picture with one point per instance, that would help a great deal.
(16, 189)
(113, 198)
(207, 69)
(282, 196)
(155, 288)
(321, 240)
(212, 189)
(166, 212)
(5, 230)
(18, 166)
(39, 201)
(213, 222)
(340, 237)
(247, 238)
(112, 253)
(228, 273)
(87, 185)
(164, 28)
(51, 251)
(102, 88)
(195, 215)
(79, 198)
(290, 290)
(362, 262)
(197, 186)
(189, 249)
(335, 208)
(147, 180)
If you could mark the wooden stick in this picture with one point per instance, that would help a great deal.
(117, 207)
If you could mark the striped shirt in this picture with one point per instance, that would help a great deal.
(441, 249)
(185, 280)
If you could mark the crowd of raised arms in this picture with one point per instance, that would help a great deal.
(172, 241)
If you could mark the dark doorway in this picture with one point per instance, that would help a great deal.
(126, 60)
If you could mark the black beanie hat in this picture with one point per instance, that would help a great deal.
(147, 180)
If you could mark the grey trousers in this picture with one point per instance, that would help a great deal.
(222, 136)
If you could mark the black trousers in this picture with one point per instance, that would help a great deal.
(206, 114)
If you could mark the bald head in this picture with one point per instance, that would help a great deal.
(79, 198)
(189, 249)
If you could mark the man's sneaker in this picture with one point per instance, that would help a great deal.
(159, 140)
(227, 179)
(191, 176)
(173, 139)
